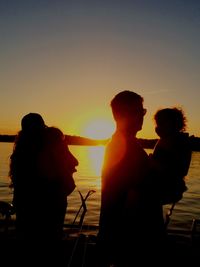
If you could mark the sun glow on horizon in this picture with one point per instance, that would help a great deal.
(97, 128)
(100, 128)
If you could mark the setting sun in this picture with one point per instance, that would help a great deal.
(99, 128)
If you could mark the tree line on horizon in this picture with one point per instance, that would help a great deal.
(79, 140)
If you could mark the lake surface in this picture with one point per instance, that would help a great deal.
(88, 178)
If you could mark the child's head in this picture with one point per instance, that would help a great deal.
(169, 121)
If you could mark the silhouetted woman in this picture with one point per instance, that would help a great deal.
(41, 169)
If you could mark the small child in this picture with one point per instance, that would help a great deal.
(172, 154)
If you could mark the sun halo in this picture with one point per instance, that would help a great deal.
(99, 129)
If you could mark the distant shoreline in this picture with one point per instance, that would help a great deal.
(84, 141)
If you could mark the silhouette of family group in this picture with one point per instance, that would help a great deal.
(135, 185)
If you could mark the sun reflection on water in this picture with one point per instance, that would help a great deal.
(95, 155)
(90, 163)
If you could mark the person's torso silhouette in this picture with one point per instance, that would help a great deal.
(41, 170)
(128, 217)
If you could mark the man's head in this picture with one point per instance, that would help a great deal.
(128, 111)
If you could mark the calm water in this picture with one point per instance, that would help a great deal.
(87, 178)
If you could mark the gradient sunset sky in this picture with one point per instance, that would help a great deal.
(67, 59)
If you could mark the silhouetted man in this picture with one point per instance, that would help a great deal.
(128, 213)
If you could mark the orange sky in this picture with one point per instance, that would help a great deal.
(66, 60)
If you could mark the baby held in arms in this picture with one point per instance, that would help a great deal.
(171, 156)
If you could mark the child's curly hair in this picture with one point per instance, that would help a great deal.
(175, 116)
